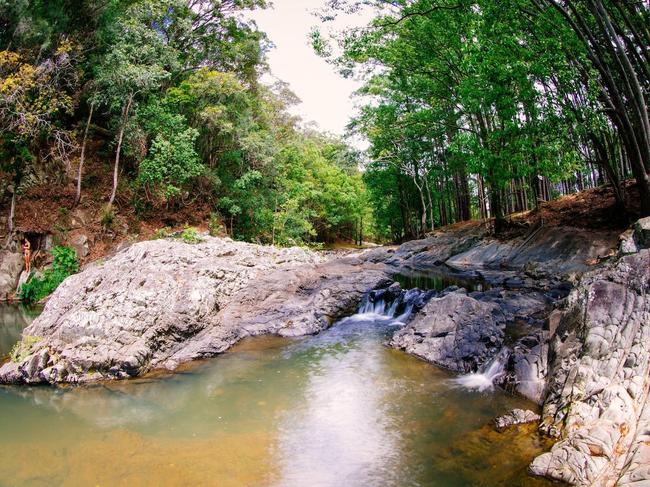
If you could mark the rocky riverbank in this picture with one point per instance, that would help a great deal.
(163, 302)
(588, 364)
(597, 390)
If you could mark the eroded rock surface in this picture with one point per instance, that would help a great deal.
(555, 253)
(597, 399)
(527, 367)
(163, 302)
(11, 265)
(454, 331)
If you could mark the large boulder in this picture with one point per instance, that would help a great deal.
(160, 303)
(11, 265)
(597, 394)
(455, 331)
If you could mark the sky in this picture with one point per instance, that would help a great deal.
(326, 96)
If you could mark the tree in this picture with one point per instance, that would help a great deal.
(138, 62)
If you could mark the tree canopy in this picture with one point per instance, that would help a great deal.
(173, 86)
(485, 107)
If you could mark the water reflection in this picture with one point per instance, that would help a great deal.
(13, 320)
(341, 434)
(441, 278)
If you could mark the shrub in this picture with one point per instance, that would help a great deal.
(215, 227)
(191, 236)
(65, 263)
(164, 232)
(107, 218)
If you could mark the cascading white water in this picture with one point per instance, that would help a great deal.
(484, 379)
(377, 307)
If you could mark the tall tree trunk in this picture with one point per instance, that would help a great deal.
(116, 169)
(12, 212)
(620, 86)
(482, 198)
(82, 157)
(428, 190)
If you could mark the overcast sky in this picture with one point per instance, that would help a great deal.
(326, 96)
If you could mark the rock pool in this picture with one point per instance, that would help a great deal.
(334, 409)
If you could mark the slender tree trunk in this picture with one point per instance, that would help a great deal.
(116, 169)
(482, 198)
(428, 190)
(82, 157)
(12, 212)
(361, 231)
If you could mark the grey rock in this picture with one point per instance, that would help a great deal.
(627, 243)
(552, 252)
(420, 255)
(11, 265)
(159, 303)
(81, 245)
(514, 418)
(597, 396)
(527, 367)
(455, 331)
(642, 232)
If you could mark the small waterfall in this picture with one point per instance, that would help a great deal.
(489, 372)
(393, 303)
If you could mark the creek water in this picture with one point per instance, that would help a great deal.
(13, 319)
(439, 279)
(334, 409)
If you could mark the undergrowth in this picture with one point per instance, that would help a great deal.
(36, 288)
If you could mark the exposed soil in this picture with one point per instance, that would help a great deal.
(592, 209)
(49, 209)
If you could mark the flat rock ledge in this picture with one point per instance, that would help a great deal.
(161, 303)
(515, 418)
(597, 401)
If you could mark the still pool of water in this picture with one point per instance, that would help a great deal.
(335, 409)
(13, 320)
(439, 279)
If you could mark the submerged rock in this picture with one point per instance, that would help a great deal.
(514, 418)
(159, 303)
(597, 398)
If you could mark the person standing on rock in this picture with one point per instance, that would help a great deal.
(27, 255)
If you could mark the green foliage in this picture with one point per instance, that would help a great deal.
(179, 88)
(171, 164)
(164, 232)
(473, 102)
(215, 225)
(191, 236)
(36, 288)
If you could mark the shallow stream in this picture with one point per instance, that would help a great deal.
(335, 409)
